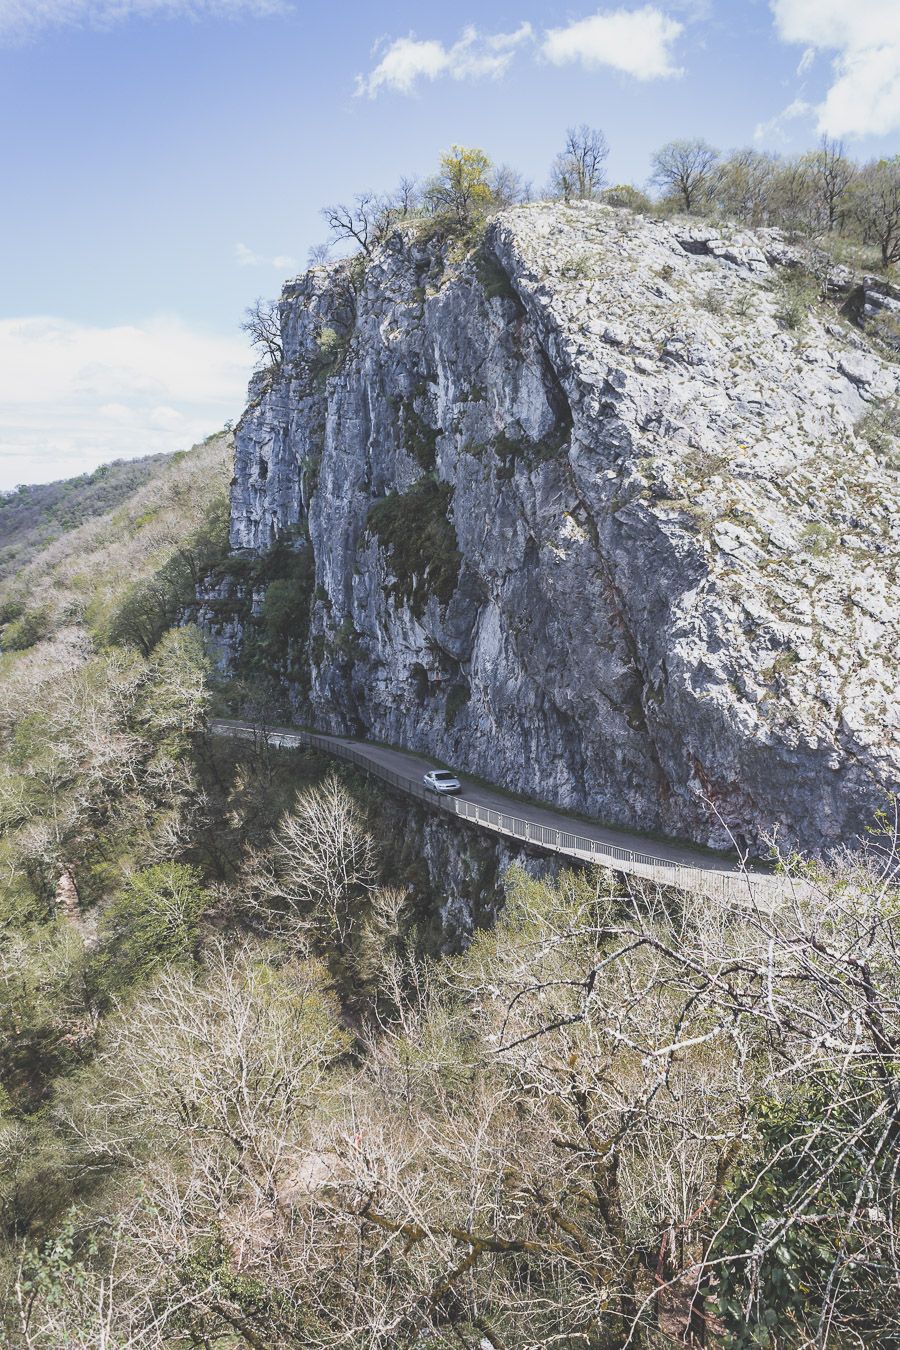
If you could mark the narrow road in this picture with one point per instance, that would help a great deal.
(542, 827)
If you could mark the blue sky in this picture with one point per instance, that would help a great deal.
(164, 161)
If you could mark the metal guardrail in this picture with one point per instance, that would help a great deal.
(734, 887)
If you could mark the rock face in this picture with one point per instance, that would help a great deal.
(596, 514)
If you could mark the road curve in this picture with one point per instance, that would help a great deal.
(541, 827)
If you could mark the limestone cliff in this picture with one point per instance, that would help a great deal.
(595, 513)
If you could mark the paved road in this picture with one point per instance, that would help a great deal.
(403, 762)
(542, 826)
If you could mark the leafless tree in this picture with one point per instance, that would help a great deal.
(262, 324)
(579, 171)
(744, 186)
(508, 186)
(686, 170)
(320, 868)
(407, 196)
(318, 254)
(364, 223)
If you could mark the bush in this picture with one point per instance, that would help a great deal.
(415, 530)
(152, 923)
(626, 195)
(880, 426)
(456, 700)
(24, 632)
(797, 292)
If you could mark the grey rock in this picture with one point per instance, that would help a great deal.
(677, 598)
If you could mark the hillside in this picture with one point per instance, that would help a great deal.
(141, 550)
(32, 516)
(600, 507)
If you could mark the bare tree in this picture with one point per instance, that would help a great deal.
(407, 196)
(365, 223)
(262, 324)
(320, 868)
(508, 186)
(793, 197)
(686, 170)
(579, 171)
(318, 254)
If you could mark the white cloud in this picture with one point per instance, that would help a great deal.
(24, 19)
(282, 262)
(775, 127)
(864, 96)
(73, 397)
(474, 56)
(806, 61)
(636, 41)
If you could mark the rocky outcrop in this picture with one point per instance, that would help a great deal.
(596, 513)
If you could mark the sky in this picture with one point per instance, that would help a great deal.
(164, 162)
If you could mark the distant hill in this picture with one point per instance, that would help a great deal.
(33, 516)
(136, 529)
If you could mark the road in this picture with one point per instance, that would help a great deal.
(543, 827)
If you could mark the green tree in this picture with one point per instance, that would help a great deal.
(462, 184)
(152, 923)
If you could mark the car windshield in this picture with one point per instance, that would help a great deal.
(441, 773)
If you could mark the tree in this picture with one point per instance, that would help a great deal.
(406, 197)
(365, 223)
(578, 171)
(793, 197)
(876, 203)
(686, 170)
(319, 869)
(462, 185)
(832, 176)
(508, 187)
(262, 324)
(744, 186)
(153, 922)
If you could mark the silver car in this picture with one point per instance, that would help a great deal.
(441, 780)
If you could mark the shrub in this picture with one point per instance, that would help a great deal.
(880, 426)
(419, 439)
(152, 923)
(578, 267)
(24, 632)
(796, 291)
(492, 276)
(713, 302)
(457, 699)
(415, 530)
(625, 194)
